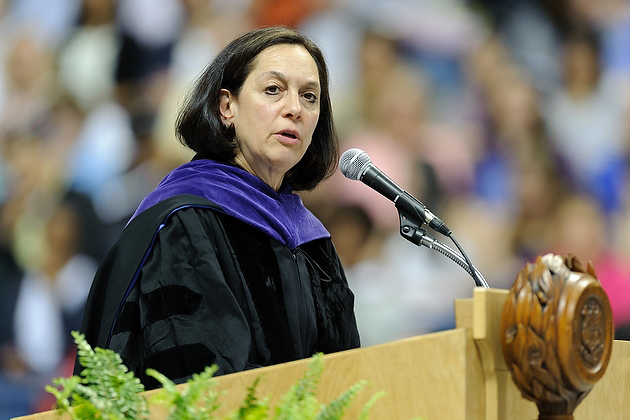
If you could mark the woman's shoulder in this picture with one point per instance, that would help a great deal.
(158, 213)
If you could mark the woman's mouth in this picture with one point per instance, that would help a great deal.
(290, 137)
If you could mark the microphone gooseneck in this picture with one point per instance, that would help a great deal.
(356, 164)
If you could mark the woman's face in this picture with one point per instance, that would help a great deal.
(275, 113)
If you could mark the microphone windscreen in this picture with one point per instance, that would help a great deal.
(353, 163)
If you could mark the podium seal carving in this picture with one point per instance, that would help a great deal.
(557, 333)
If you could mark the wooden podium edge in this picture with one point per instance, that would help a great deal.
(452, 374)
(419, 378)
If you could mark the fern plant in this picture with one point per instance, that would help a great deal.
(252, 408)
(107, 390)
(105, 387)
(197, 401)
(300, 401)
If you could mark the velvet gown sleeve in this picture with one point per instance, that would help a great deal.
(189, 308)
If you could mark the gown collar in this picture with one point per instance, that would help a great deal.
(280, 214)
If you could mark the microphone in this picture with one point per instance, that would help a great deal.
(356, 164)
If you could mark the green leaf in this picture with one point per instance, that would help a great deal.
(105, 388)
(368, 406)
(336, 408)
(196, 401)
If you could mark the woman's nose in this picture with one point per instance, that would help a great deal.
(292, 106)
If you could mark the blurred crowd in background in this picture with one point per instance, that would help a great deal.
(509, 119)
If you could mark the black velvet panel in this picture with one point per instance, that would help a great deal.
(334, 302)
(259, 266)
(178, 363)
(165, 302)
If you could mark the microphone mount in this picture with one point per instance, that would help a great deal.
(356, 164)
(412, 230)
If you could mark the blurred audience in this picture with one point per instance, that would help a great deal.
(507, 118)
(46, 311)
(587, 121)
(46, 298)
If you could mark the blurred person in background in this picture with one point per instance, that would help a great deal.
(48, 305)
(148, 35)
(531, 34)
(586, 121)
(51, 298)
(540, 190)
(208, 26)
(353, 229)
(29, 85)
(611, 21)
(52, 20)
(516, 171)
(87, 58)
(135, 41)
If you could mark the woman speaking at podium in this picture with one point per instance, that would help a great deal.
(221, 263)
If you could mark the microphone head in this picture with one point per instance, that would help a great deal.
(353, 163)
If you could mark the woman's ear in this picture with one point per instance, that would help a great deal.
(225, 107)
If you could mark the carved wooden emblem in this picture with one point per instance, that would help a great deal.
(557, 333)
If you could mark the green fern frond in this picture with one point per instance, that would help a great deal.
(90, 400)
(201, 395)
(336, 408)
(252, 408)
(196, 401)
(291, 408)
(105, 388)
(251, 399)
(200, 386)
(307, 386)
(62, 391)
(168, 386)
(300, 400)
(84, 410)
(368, 406)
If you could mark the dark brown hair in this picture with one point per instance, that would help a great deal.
(199, 123)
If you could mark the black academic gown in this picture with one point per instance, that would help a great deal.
(187, 286)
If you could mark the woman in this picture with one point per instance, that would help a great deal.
(221, 263)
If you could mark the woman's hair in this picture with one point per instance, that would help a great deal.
(199, 124)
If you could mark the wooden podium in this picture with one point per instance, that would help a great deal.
(454, 374)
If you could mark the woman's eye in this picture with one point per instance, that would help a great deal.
(311, 97)
(273, 89)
